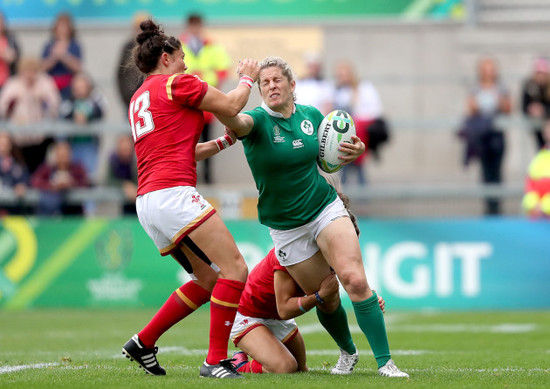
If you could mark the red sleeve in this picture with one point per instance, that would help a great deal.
(186, 89)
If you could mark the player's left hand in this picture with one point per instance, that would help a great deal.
(353, 150)
(382, 304)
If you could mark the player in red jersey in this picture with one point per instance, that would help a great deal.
(265, 328)
(166, 117)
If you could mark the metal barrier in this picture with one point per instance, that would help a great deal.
(237, 202)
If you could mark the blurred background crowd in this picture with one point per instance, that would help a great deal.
(454, 106)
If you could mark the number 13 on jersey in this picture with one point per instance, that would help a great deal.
(141, 118)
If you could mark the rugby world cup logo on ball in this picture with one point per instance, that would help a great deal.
(335, 128)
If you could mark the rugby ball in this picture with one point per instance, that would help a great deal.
(335, 128)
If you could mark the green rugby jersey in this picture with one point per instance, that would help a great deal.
(282, 154)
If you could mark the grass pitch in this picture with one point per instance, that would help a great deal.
(82, 349)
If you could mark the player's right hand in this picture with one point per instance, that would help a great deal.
(249, 67)
(329, 286)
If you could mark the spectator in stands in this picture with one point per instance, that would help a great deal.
(55, 179)
(62, 55)
(14, 177)
(9, 52)
(129, 78)
(536, 201)
(488, 99)
(123, 172)
(85, 106)
(362, 101)
(29, 98)
(535, 101)
(210, 62)
(313, 89)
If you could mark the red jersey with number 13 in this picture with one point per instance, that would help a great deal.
(166, 125)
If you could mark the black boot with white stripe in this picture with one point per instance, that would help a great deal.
(224, 369)
(146, 357)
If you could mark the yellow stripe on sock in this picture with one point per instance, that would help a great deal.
(186, 300)
(224, 303)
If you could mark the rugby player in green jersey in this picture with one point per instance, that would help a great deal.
(308, 222)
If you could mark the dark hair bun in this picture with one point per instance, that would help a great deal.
(149, 30)
(151, 43)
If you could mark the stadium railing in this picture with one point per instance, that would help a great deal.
(390, 194)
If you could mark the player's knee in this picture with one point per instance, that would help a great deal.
(284, 366)
(353, 283)
(236, 269)
(207, 280)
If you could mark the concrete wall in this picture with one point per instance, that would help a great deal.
(422, 73)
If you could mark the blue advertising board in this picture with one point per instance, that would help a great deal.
(489, 263)
(445, 264)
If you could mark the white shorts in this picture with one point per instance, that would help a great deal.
(300, 243)
(284, 330)
(168, 215)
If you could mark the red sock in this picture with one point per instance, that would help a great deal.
(181, 303)
(251, 367)
(223, 308)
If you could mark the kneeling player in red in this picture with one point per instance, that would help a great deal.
(265, 328)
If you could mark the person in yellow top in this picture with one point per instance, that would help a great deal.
(207, 60)
(536, 201)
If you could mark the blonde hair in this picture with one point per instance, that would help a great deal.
(280, 63)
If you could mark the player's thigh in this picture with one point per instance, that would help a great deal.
(215, 240)
(264, 347)
(340, 246)
(310, 273)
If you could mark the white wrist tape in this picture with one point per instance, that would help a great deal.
(247, 81)
(224, 142)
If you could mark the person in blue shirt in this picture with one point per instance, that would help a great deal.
(62, 55)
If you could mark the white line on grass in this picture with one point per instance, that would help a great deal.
(187, 352)
(11, 369)
(335, 351)
(183, 350)
(504, 328)
(461, 370)
(431, 370)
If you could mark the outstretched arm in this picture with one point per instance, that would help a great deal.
(230, 104)
(241, 124)
(205, 150)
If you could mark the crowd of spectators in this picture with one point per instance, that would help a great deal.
(35, 90)
(57, 87)
(346, 92)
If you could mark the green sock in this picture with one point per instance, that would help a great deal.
(371, 321)
(336, 323)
